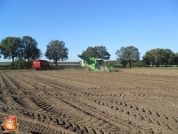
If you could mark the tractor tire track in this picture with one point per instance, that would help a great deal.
(69, 101)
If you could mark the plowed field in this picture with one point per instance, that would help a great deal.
(132, 101)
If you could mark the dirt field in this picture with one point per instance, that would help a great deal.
(132, 101)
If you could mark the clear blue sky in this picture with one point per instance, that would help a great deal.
(145, 24)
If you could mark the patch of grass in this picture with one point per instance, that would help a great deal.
(173, 67)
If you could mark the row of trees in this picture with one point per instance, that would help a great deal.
(125, 55)
(160, 57)
(21, 48)
(130, 55)
(26, 48)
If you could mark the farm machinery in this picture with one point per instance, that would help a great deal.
(41, 64)
(94, 64)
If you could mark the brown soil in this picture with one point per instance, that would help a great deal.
(131, 101)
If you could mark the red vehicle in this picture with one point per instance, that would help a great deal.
(41, 64)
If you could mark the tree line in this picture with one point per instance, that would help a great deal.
(130, 55)
(26, 48)
(160, 56)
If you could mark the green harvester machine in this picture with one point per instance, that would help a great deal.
(94, 64)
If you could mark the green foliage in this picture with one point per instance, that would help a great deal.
(11, 47)
(5, 66)
(158, 56)
(109, 63)
(56, 51)
(124, 63)
(69, 63)
(20, 63)
(138, 64)
(175, 59)
(127, 55)
(26, 49)
(148, 58)
(97, 52)
(113, 64)
(31, 51)
(168, 57)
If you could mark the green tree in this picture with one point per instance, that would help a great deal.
(97, 52)
(148, 58)
(11, 47)
(176, 59)
(168, 56)
(152, 57)
(56, 51)
(31, 51)
(146, 61)
(128, 54)
(158, 56)
(124, 62)
(19, 63)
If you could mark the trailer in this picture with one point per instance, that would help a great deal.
(41, 64)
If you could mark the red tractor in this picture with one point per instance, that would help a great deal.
(41, 64)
